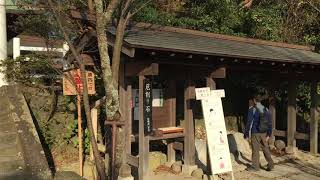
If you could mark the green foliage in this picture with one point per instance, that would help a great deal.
(32, 69)
(34, 24)
(284, 21)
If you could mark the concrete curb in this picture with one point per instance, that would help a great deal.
(28, 138)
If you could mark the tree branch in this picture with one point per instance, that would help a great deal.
(126, 7)
(130, 15)
(314, 7)
(99, 162)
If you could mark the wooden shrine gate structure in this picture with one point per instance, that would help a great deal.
(179, 55)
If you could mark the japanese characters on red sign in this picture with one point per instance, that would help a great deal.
(71, 87)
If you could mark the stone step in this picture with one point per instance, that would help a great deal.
(4, 117)
(7, 140)
(10, 150)
(10, 166)
(8, 146)
(15, 175)
(4, 111)
(6, 121)
(10, 158)
(8, 127)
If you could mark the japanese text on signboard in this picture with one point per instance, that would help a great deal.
(147, 106)
(72, 83)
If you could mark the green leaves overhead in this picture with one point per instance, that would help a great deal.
(296, 21)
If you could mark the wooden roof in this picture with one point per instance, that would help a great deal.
(144, 36)
(36, 41)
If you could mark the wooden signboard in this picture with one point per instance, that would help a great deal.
(216, 129)
(147, 106)
(70, 86)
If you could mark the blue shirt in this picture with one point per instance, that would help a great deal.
(253, 120)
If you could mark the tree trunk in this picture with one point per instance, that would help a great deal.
(99, 162)
(111, 90)
(116, 56)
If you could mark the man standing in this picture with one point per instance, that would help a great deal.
(259, 127)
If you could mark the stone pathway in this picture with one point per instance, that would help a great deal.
(11, 161)
(297, 169)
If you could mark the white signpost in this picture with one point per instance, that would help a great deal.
(216, 129)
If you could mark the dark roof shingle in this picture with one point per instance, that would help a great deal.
(199, 44)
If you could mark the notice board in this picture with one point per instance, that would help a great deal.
(71, 86)
(216, 129)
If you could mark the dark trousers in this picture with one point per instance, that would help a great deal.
(259, 140)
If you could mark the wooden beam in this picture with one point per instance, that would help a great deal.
(210, 83)
(189, 146)
(171, 153)
(314, 123)
(167, 136)
(272, 104)
(178, 146)
(141, 69)
(302, 136)
(143, 169)
(279, 133)
(219, 73)
(292, 112)
(132, 160)
(129, 118)
(125, 49)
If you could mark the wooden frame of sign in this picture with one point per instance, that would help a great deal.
(72, 85)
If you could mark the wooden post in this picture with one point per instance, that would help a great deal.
(94, 119)
(90, 6)
(143, 140)
(80, 135)
(272, 109)
(314, 118)
(123, 107)
(129, 119)
(212, 84)
(171, 153)
(292, 116)
(189, 146)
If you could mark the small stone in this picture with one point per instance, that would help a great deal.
(125, 171)
(41, 152)
(177, 167)
(20, 131)
(198, 173)
(280, 145)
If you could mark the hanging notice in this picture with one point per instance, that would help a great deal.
(147, 106)
(72, 86)
(216, 129)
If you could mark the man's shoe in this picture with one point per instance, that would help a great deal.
(252, 169)
(270, 167)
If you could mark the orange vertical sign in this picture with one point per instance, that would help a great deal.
(72, 82)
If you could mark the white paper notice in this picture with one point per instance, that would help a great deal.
(216, 132)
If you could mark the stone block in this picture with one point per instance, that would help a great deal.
(198, 173)
(125, 171)
(156, 159)
(280, 145)
(291, 150)
(188, 169)
(210, 177)
(126, 178)
(177, 167)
